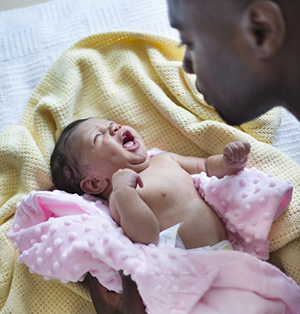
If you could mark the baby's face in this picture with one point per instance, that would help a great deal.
(105, 147)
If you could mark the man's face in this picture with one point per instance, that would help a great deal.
(218, 55)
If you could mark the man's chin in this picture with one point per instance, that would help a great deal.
(228, 120)
(207, 101)
(198, 88)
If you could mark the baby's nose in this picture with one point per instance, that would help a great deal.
(114, 128)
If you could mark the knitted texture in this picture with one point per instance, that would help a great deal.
(134, 79)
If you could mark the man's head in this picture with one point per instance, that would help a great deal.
(241, 52)
(90, 151)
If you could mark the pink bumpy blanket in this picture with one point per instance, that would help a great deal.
(63, 236)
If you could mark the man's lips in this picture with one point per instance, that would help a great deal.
(204, 96)
(129, 142)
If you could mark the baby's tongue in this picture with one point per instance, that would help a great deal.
(128, 144)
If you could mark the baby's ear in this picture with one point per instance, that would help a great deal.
(92, 185)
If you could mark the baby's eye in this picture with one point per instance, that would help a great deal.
(96, 137)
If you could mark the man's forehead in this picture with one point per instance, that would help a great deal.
(205, 7)
(189, 15)
(181, 10)
(178, 9)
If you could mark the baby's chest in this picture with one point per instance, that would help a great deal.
(166, 186)
(164, 173)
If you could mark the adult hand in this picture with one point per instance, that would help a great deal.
(110, 302)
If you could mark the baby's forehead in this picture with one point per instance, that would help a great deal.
(86, 128)
(96, 120)
(93, 123)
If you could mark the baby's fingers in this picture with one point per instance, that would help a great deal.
(237, 151)
(247, 148)
(139, 181)
(243, 151)
(230, 151)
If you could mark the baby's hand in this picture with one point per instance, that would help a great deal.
(235, 154)
(126, 177)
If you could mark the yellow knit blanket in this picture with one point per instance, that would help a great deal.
(134, 79)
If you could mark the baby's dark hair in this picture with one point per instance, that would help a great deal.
(66, 170)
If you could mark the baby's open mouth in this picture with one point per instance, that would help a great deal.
(128, 141)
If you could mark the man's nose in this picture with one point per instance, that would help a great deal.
(114, 128)
(187, 63)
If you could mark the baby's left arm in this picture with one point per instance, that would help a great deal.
(234, 158)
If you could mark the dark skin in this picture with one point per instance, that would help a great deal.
(110, 302)
(245, 53)
(246, 56)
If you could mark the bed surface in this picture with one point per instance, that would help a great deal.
(33, 37)
(15, 4)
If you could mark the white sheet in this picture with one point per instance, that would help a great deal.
(32, 38)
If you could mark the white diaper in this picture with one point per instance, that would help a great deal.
(223, 245)
(170, 237)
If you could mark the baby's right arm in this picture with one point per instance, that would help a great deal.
(130, 211)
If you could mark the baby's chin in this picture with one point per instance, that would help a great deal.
(141, 162)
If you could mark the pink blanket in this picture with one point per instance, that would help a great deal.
(63, 236)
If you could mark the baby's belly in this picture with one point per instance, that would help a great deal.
(174, 199)
(201, 226)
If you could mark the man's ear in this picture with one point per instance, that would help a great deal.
(92, 185)
(264, 27)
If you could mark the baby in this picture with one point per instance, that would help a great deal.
(145, 195)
